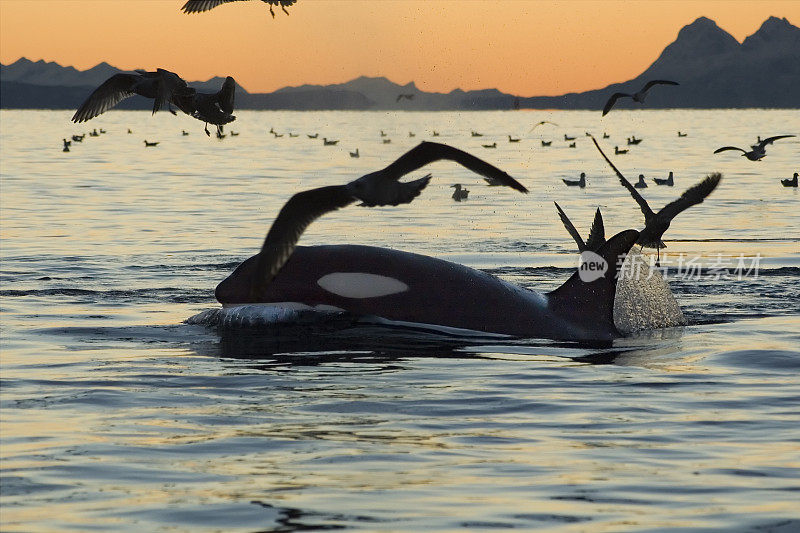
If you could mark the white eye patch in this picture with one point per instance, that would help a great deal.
(360, 284)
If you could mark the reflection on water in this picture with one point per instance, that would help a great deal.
(117, 415)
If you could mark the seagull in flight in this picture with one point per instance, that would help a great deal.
(597, 235)
(540, 124)
(656, 223)
(198, 6)
(165, 88)
(758, 150)
(379, 188)
(637, 96)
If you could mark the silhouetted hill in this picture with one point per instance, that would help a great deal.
(714, 71)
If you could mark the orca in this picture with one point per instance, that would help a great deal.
(411, 288)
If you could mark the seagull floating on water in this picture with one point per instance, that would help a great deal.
(641, 184)
(547, 143)
(680, 134)
(576, 183)
(597, 235)
(493, 145)
(459, 194)
(198, 6)
(758, 150)
(66, 145)
(379, 188)
(658, 223)
(638, 96)
(326, 142)
(355, 154)
(312, 136)
(572, 145)
(568, 138)
(147, 143)
(668, 181)
(617, 151)
(512, 139)
(633, 140)
(790, 182)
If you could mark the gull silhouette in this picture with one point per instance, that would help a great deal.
(758, 150)
(637, 96)
(379, 188)
(198, 6)
(656, 223)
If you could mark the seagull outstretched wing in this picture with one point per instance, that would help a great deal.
(724, 148)
(112, 91)
(650, 83)
(648, 213)
(198, 6)
(692, 196)
(428, 152)
(613, 100)
(770, 140)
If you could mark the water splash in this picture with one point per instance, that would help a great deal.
(644, 301)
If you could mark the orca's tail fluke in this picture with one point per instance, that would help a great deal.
(586, 299)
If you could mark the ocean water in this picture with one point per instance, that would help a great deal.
(118, 415)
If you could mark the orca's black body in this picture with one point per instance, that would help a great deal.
(407, 287)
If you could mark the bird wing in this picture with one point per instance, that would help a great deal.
(692, 196)
(718, 150)
(646, 211)
(226, 95)
(541, 123)
(294, 217)
(597, 235)
(110, 93)
(658, 82)
(383, 192)
(198, 6)
(770, 140)
(571, 228)
(428, 152)
(612, 101)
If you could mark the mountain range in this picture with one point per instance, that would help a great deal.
(714, 71)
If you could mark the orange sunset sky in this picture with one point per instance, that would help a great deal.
(521, 47)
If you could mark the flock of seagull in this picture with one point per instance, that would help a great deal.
(383, 187)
